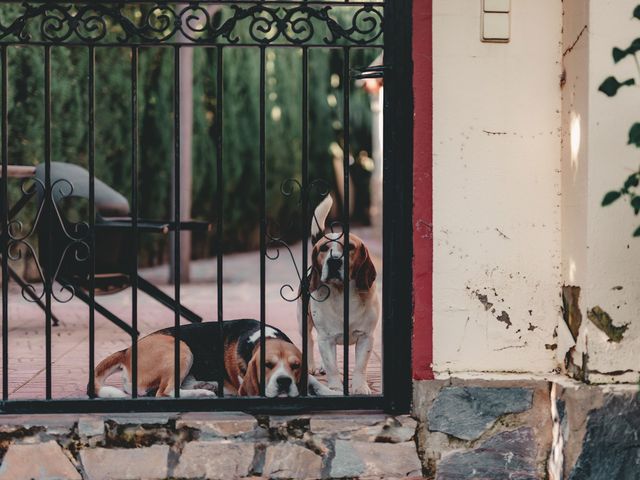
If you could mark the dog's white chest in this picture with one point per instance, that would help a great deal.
(328, 315)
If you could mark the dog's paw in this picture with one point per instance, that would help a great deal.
(211, 386)
(361, 388)
(335, 385)
(318, 371)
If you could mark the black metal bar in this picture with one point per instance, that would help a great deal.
(146, 404)
(323, 46)
(213, 43)
(228, 2)
(158, 295)
(305, 220)
(13, 275)
(397, 208)
(176, 215)
(5, 227)
(231, 2)
(134, 219)
(263, 222)
(84, 297)
(24, 199)
(220, 207)
(397, 233)
(346, 85)
(92, 218)
(48, 202)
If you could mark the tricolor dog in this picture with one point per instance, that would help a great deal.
(326, 307)
(200, 363)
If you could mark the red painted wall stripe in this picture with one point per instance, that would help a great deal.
(422, 191)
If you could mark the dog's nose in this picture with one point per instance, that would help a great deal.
(334, 264)
(283, 383)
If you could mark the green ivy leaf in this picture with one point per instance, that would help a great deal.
(635, 46)
(635, 203)
(634, 135)
(637, 232)
(611, 85)
(632, 181)
(619, 54)
(610, 197)
(636, 12)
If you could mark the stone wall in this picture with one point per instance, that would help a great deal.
(485, 428)
(551, 428)
(208, 445)
(461, 428)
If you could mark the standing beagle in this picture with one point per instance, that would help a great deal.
(200, 363)
(326, 307)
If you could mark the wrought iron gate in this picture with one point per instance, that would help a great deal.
(303, 25)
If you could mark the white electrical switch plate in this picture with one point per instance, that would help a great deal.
(496, 27)
(498, 6)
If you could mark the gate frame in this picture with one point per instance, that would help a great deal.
(397, 295)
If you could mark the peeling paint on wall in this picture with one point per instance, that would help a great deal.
(504, 318)
(603, 321)
(484, 300)
(571, 308)
(502, 241)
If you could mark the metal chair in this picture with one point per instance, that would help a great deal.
(67, 247)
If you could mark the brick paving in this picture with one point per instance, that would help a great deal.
(70, 345)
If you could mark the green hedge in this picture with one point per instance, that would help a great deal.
(240, 119)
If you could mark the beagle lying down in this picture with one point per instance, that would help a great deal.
(200, 363)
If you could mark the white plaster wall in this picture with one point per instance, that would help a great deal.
(613, 256)
(575, 156)
(497, 146)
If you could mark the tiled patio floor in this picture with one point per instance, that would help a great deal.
(70, 346)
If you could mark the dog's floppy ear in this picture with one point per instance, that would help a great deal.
(251, 382)
(364, 271)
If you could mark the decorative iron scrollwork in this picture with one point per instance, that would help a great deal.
(291, 22)
(334, 233)
(76, 249)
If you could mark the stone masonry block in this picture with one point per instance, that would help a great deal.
(224, 424)
(611, 446)
(215, 460)
(339, 423)
(385, 460)
(149, 463)
(90, 427)
(41, 461)
(467, 412)
(287, 460)
(505, 455)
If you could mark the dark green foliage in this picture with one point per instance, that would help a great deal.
(610, 197)
(240, 163)
(611, 85)
(634, 135)
(610, 88)
(632, 181)
(619, 54)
